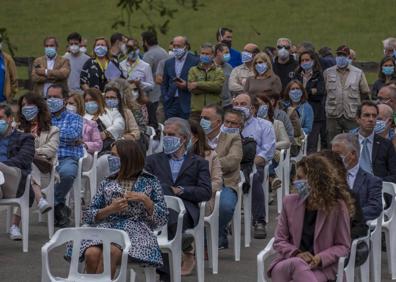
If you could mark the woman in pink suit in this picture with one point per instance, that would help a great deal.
(313, 229)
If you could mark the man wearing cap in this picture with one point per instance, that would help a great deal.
(346, 87)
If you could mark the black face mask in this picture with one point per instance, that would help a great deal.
(145, 48)
(227, 42)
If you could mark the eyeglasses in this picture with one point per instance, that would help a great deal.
(283, 46)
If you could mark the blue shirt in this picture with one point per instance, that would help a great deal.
(70, 131)
(263, 133)
(2, 78)
(306, 115)
(175, 166)
(236, 58)
(4, 148)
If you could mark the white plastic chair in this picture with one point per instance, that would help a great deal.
(49, 193)
(212, 232)
(198, 232)
(173, 247)
(261, 258)
(236, 221)
(283, 173)
(151, 133)
(389, 228)
(91, 175)
(375, 252)
(247, 210)
(107, 236)
(77, 194)
(1, 178)
(149, 273)
(266, 192)
(23, 203)
(161, 140)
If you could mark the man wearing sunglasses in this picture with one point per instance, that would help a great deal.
(284, 63)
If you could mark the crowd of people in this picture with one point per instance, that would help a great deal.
(224, 112)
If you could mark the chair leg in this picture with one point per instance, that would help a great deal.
(365, 271)
(8, 218)
(150, 274)
(51, 223)
(77, 202)
(236, 224)
(175, 265)
(247, 209)
(215, 248)
(391, 252)
(199, 254)
(375, 260)
(132, 275)
(25, 227)
(209, 243)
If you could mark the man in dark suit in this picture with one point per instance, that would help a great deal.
(377, 154)
(366, 187)
(174, 91)
(182, 175)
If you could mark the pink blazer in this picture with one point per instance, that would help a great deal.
(91, 136)
(332, 238)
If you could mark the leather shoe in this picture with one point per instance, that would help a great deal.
(259, 231)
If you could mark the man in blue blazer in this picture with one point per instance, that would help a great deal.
(174, 91)
(366, 187)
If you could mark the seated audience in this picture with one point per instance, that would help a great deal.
(384, 124)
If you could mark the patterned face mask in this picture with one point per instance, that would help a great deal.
(30, 112)
(114, 164)
(302, 188)
(171, 144)
(55, 104)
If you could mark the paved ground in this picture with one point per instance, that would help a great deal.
(16, 266)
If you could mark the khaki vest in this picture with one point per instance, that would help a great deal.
(342, 100)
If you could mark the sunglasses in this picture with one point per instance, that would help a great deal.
(280, 47)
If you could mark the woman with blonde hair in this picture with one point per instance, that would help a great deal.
(264, 81)
(313, 230)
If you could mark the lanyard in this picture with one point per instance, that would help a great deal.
(131, 68)
(102, 67)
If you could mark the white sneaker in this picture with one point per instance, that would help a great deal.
(15, 233)
(43, 206)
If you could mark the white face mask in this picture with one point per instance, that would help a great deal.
(71, 108)
(83, 50)
(74, 49)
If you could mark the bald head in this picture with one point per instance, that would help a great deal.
(179, 42)
(251, 48)
(384, 112)
(387, 95)
(242, 100)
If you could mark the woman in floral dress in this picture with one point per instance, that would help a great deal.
(130, 200)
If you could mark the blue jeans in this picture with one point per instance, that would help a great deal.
(67, 170)
(228, 201)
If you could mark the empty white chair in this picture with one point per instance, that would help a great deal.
(389, 228)
(151, 133)
(49, 193)
(212, 234)
(198, 232)
(23, 203)
(247, 210)
(236, 221)
(107, 236)
(91, 175)
(173, 247)
(375, 252)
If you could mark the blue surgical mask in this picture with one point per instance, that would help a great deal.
(100, 51)
(179, 52)
(307, 65)
(112, 103)
(342, 61)
(50, 52)
(380, 126)
(29, 112)
(55, 104)
(261, 68)
(295, 95)
(205, 59)
(246, 111)
(302, 188)
(206, 125)
(246, 57)
(229, 130)
(388, 70)
(226, 57)
(114, 164)
(262, 111)
(91, 107)
(3, 126)
(171, 144)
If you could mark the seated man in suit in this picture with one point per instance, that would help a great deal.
(226, 141)
(181, 175)
(377, 154)
(366, 187)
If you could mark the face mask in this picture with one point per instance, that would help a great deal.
(50, 52)
(206, 125)
(307, 66)
(227, 42)
(229, 130)
(388, 70)
(30, 112)
(123, 48)
(3, 126)
(114, 164)
(380, 126)
(171, 53)
(134, 55)
(262, 111)
(189, 145)
(342, 62)
(55, 104)
(171, 144)
(226, 58)
(246, 57)
(283, 53)
(302, 188)
(261, 68)
(295, 95)
(71, 108)
(244, 110)
(179, 52)
(74, 49)
(83, 50)
(112, 103)
(100, 51)
(91, 107)
(205, 59)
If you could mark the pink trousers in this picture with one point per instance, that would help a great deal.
(297, 270)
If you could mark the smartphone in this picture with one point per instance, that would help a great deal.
(178, 79)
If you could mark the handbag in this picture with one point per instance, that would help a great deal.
(42, 163)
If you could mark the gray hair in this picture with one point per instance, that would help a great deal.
(284, 39)
(207, 45)
(389, 43)
(184, 128)
(386, 109)
(350, 140)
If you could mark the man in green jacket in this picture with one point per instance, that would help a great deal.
(205, 81)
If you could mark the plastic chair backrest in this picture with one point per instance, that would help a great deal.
(176, 204)
(1, 178)
(390, 189)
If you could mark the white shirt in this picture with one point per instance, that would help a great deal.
(214, 142)
(179, 64)
(352, 175)
(50, 66)
(139, 71)
(369, 144)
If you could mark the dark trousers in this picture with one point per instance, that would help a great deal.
(258, 207)
(152, 114)
(173, 108)
(318, 128)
